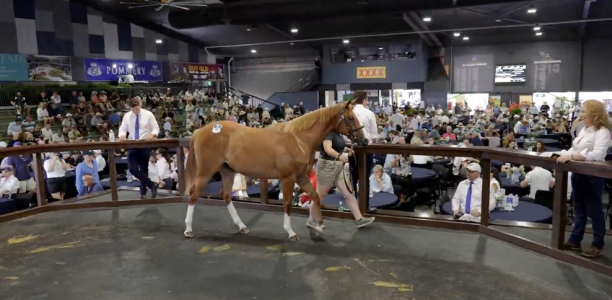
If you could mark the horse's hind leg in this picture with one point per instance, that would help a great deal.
(227, 175)
(202, 178)
(287, 185)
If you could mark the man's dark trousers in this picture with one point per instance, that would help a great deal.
(138, 165)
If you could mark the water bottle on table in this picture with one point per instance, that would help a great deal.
(129, 177)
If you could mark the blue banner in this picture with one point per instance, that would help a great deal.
(13, 67)
(102, 69)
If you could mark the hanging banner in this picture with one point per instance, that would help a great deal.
(371, 72)
(49, 68)
(13, 67)
(185, 72)
(102, 69)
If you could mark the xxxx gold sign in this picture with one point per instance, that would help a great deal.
(371, 72)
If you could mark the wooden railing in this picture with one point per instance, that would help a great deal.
(484, 154)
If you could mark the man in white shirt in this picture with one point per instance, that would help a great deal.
(46, 133)
(141, 125)
(468, 196)
(99, 160)
(9, 184)
(14, 129)
(538, 179)
(367, 119)
(412, 124)
(397, 119)
(163, 169)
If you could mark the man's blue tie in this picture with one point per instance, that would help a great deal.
(137, 133)
(468, 199)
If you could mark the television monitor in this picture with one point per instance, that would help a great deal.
(510, 74)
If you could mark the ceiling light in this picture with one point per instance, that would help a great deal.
(538, 33)
(466, 38)
(158, 41)
(532, 10)
(537, 28)
(427, 19)
(130, 66)
(457, 33)
(253, 51)
(346, 41)
(294, 30)
(291, 44)
(498, 20)
(249, 29)
(381, 48)
(114, 66)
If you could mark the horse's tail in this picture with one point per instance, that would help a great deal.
(190, 169)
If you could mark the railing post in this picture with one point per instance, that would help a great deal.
(486, 191)
(180, 169)
(39, 176)
(559, 209)
(112, 171)
(363, 181)
(263, 191)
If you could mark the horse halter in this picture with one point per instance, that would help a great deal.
(351, 131)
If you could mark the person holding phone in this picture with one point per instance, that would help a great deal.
(590, 144)
(330, 172)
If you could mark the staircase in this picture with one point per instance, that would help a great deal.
(305, 83)
(255, 101)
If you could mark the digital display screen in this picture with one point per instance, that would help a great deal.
(510, 74)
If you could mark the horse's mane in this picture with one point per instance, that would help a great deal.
(308, 120)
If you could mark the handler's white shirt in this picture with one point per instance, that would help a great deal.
(9, 186)
(146, 121)
(367, 119)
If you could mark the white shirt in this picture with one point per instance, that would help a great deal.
(56, 138)
(54, 171)
(421, 159)
(539, 180)
(101, 162)
(592, 143)
(237, 184)
(47, 134)
(146, 121)
(413, 124)
(153, 172)
(459, 199)
(56, 99)
(41, 113)
(129, 78)
(397, 119)
(367, 119)
(163, 168)
(9, 186)
(387, 186)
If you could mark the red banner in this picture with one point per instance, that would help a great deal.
(185, 72)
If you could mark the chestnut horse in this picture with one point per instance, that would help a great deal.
(284, 151)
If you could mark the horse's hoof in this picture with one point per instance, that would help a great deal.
(244, 230)
(189, 234)
(294, 238)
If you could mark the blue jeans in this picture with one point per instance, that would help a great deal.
(586, 193)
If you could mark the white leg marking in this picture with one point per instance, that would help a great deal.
(235, 217)
(189, 220)
(287, 225)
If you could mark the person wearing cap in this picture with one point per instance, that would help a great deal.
(14, 129)
(96, 122)
(468, 196)
(9, 184)
(69, 122)
(88, 166)
(141, 125)
(21, 167)
(56, 168)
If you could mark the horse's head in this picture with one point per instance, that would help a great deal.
(349, 124)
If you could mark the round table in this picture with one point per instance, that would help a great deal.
(524, 212)
(554, 136)
(379, 200)
(513, 188)
(214, 188)
(421, 176)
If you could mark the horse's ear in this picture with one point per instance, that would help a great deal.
(349, 104)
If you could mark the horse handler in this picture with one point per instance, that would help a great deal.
(141, 125)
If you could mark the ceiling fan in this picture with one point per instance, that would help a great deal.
(181, 4)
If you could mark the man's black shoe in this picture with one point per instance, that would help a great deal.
(154, 190)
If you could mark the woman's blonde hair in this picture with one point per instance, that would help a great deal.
(596, 111)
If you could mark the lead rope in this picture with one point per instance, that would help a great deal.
(348, 186)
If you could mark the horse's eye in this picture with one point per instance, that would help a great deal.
(351, 118)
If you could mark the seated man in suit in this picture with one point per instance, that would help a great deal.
(468, 196)
(90, 185)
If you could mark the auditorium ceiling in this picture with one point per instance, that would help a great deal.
(302, 26)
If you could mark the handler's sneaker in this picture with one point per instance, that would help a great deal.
(313, 224)
(364, 222)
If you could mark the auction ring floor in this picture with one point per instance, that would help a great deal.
(139, 252)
